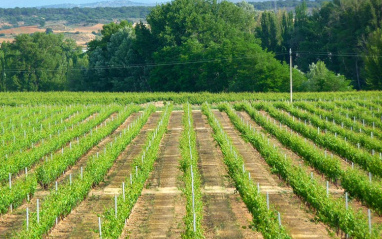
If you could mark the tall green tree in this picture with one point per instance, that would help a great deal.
(334, 33)
(118, 61)
(188, 45)
(37, 62)
(319, 78)
(372, 57)
(211, 48)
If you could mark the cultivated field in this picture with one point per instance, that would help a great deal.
(167, 165)
(80, 33)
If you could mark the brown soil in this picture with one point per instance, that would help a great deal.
(225, 214)
(297, 222)
(334, 189)
(155, 103)
(82, 222)
(81, 34)
(22, 30)
(89, 29)
(13, 221)
(160, 209)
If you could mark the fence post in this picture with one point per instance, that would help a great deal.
(27, 218)
(115, 205)
(38, 211)
(99, 226)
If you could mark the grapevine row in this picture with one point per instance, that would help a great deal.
(363, 158)
(265, 220)
(367, 142)
(113, 223)
(26, 159)
(49, 171)
(191, 177)
(59, 203)
(329, 210)
(352, 180)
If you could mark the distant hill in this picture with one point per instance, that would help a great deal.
(289, 5)
(259, 4)
(116, 3)
(119, 3)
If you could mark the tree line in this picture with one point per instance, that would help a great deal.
(199, 45)
(284, 4)
(40, 62)
(76, 15)
(344, 34)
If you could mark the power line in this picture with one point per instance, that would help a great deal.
(173, 63)
(145, 64)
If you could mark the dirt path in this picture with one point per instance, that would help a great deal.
(334, 189)
(297, 222)
(13, 221)
(225, 214)
(82, 222)
(160, 209)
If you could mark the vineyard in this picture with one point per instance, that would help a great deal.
(190, 165)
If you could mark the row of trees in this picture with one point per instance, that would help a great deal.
(345, 34)
(40, 62)
(191, 45)
(33, 16)
(199, 45)
(284, 4)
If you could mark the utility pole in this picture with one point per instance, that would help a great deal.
(291, 81)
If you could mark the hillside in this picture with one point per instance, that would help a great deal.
(117, 3)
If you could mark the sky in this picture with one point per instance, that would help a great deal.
(36, 3)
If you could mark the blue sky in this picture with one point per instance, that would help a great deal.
(36, 3)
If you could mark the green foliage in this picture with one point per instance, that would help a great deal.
(42, 22)
(265, 220)
(334, 34)
(144, 163)
(373, 60)
(38, 16)
(64, 98)
(24, 159)
(47, 173)
(284, 4)
(37, 62)
(368, 162)
(319, 78)
(107, 31)
(210, 49)
(189, 163)
(330, 210)
(112, 59)
(60, 203)
(191, 45)
(49, 30)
